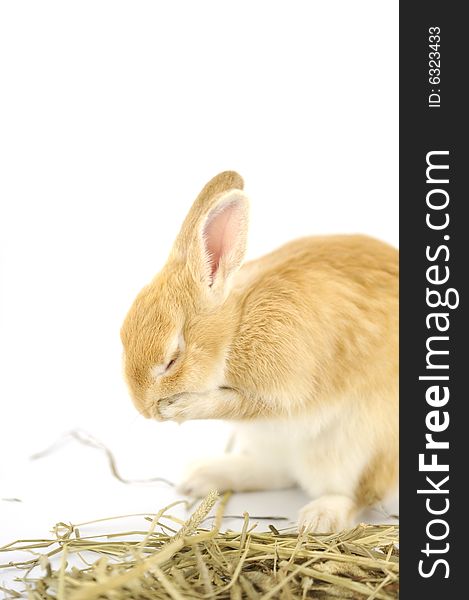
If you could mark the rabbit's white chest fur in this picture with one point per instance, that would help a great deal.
(316, 452)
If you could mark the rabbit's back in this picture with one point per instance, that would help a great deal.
(317, 317)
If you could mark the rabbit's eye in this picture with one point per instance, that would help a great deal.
(162, 369)
(172, 361)
(175, 350)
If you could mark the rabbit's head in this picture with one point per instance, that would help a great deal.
(174, 333)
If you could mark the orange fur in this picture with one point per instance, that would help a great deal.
(307, 332)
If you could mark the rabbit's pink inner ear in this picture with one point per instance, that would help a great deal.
(221, 233)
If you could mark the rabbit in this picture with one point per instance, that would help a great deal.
(297, 348)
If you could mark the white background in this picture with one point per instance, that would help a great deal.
(113, 115)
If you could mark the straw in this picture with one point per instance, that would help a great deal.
(199, 563)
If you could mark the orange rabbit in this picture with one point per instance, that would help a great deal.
(299, 348)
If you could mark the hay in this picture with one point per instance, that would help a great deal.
(86, 439)
(195, 562)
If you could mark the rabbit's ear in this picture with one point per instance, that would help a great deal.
(227, 180)
(212, 240)
(224, 237)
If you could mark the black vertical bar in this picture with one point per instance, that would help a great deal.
(433, 118)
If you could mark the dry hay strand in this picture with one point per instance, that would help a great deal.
(194, 562)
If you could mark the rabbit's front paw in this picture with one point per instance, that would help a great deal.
(176, 408)
(327, 514)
